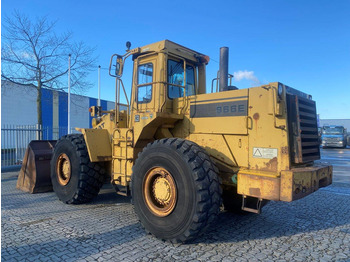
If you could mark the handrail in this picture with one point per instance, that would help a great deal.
(184, 87)
(230, 77)
(128, 104)
(274, 94)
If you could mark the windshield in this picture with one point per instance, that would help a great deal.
(176, 77)
(333, 130)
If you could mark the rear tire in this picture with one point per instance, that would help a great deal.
(175, 189)
(75, 179)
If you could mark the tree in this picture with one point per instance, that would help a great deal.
(33, 54)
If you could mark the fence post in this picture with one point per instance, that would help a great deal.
(38, 132)
(16, 143)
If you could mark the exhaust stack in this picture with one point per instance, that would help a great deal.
(223, 70)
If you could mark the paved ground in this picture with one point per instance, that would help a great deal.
(41, 228)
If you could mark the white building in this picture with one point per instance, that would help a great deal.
(19, 108)
(337, 122)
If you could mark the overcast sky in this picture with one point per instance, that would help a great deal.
(303, 44)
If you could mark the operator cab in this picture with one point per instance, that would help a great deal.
(164, 73)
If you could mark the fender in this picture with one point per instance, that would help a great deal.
(98, 143)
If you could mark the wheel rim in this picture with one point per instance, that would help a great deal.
(159, 191)
(63, 169)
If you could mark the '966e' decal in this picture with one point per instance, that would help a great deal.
(230, 109)
(234, 108)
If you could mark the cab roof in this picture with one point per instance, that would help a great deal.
(171, 48)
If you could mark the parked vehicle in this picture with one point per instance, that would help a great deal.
(334, 136)
(181, 151)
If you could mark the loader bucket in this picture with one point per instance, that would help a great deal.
(34, 176)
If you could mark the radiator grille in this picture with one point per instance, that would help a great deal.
(303, 133)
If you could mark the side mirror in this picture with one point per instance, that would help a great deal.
(117, 62)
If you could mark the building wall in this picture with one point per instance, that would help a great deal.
(78, 108)
(18, 107)
(340, 122)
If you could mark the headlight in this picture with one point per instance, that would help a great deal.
(280, 90)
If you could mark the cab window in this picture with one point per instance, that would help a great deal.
(176, 77)
(144, 81)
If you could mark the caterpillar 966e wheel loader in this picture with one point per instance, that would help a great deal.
(182, 152)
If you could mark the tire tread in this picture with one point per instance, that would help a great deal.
(207, 185)
(91, 176)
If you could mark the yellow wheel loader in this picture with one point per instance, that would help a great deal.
(181, 152)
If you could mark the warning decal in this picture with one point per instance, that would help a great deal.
(264, 152)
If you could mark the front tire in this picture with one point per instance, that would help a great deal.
(74, 178)
(175, 189)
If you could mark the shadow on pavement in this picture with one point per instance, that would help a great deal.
(326, 208)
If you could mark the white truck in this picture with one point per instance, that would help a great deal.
(334, 136)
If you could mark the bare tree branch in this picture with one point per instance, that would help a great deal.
(34, 55)
(16, 82)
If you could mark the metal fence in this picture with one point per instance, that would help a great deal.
(15, 139)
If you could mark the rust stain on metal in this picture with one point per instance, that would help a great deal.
(271, 165)
(255, 192)
(258, 186)
(300, 182)
(284, 150)
(256, 117)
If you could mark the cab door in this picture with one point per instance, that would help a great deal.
(145, 82)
